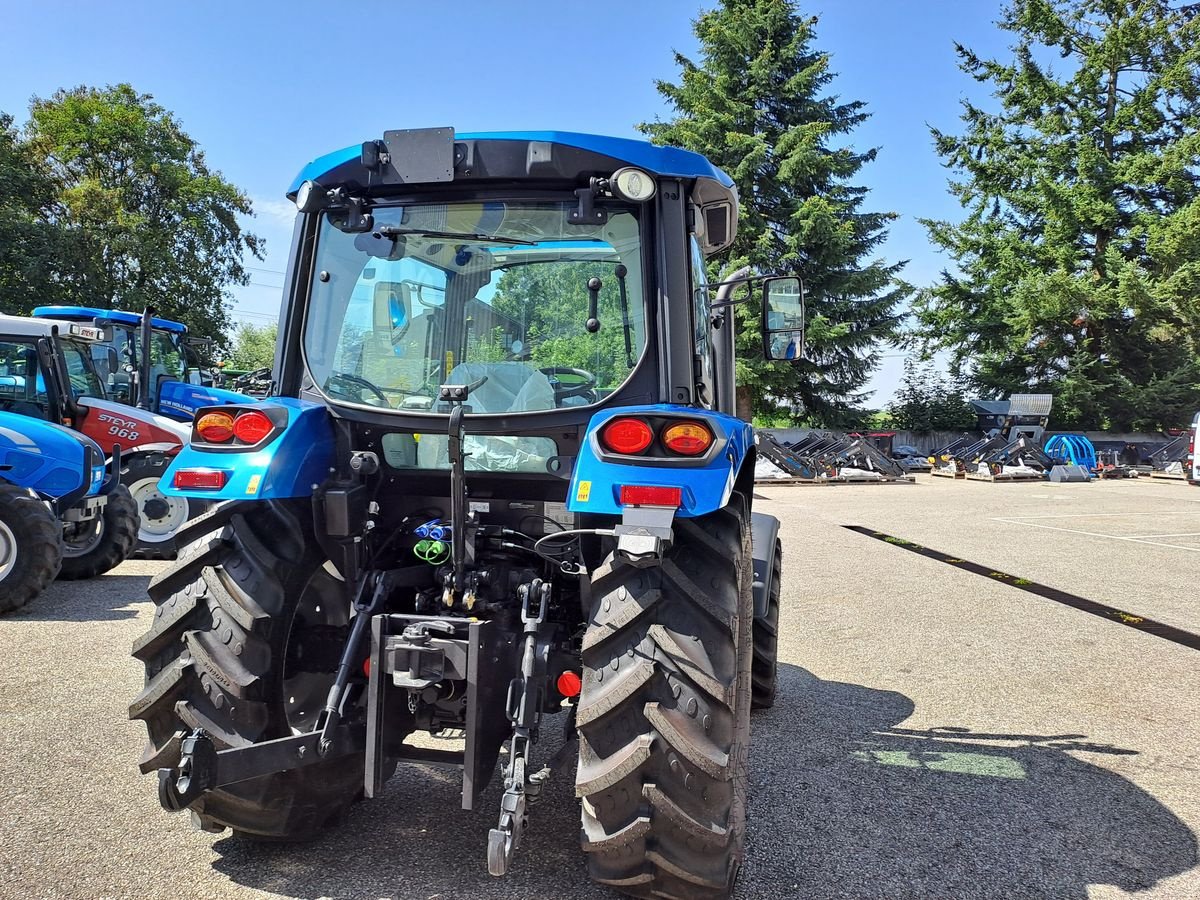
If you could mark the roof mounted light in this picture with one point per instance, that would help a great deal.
(632, 184)
(310, 197)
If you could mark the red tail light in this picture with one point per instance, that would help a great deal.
(626, 436)
(215, 427)
(200, 479)
(569, 684)
(252, 426)
(687, 438)
(650, 495)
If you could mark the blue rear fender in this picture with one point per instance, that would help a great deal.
(706, 483)
(288, 464)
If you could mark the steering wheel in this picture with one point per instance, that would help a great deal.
(361, 383)
(585, 387)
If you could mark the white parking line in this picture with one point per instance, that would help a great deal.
(1114, 537)
(1100, 515)
(1182, 534)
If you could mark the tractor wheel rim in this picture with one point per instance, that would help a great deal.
(81, 538)
(320, 609)
(8, 551)
(156, 530)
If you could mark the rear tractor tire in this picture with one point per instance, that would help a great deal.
(248, 627)
(30, 547)
(102, 543)
(664, 714)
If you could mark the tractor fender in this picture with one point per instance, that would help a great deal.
(764, 532)
(706, 482)
(109, 423)
(291, 462)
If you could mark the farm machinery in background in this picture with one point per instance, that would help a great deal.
(829, 457)
(61, 515)
(157, 366)
(48, 371)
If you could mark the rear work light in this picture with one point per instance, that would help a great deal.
(252, 426)
(626, 436)
(650, 495)
(215, 427)
(687, 438)
(200, 479)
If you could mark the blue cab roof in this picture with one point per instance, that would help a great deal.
(88, 313)
(667, 161)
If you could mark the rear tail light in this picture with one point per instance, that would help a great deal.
(626, 436)
(215, 427)
(687, 438)
(252, 426)
(200, 479)
(650, 495)
(569, 684)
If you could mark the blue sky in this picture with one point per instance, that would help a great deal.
(266, 86)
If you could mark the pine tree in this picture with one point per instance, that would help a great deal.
(756, 105)
(1078, 262)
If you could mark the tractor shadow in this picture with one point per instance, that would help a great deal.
(103, 598)
(844, 802)
(855, 805)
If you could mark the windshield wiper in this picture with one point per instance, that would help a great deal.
(395, 231)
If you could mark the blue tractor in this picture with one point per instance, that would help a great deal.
(52, 480)
(156, 365)
(501, 479)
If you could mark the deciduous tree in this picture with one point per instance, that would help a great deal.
(143, 219)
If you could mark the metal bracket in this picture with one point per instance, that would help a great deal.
(645, 534)
(203, 768)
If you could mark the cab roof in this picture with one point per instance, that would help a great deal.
(339, 166)
(22, 326)
(120, 316)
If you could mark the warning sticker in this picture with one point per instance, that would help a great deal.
(252, 484)
(583, 492)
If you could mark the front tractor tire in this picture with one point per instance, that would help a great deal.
(102, 543)
(30, 547)
(247, 630)
(159, 517)
(664, 713)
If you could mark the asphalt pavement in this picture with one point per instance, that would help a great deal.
(939, 733)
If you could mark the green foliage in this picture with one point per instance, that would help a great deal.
(1078, 262)
(756, 105)
(121, 210)
(550, 300)
(928, 401)
(253, 347)
(30, 245)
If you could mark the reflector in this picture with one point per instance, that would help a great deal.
(650, 495)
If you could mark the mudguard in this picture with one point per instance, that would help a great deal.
(180, 400)
(47, 458)
(287, 465)
(765, 531)
(706, 483)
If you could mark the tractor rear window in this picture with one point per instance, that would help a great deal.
(493, 295)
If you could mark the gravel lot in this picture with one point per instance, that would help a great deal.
(938, 734)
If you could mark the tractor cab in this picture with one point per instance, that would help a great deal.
(148, 361)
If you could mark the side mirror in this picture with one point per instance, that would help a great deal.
(783, 318)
